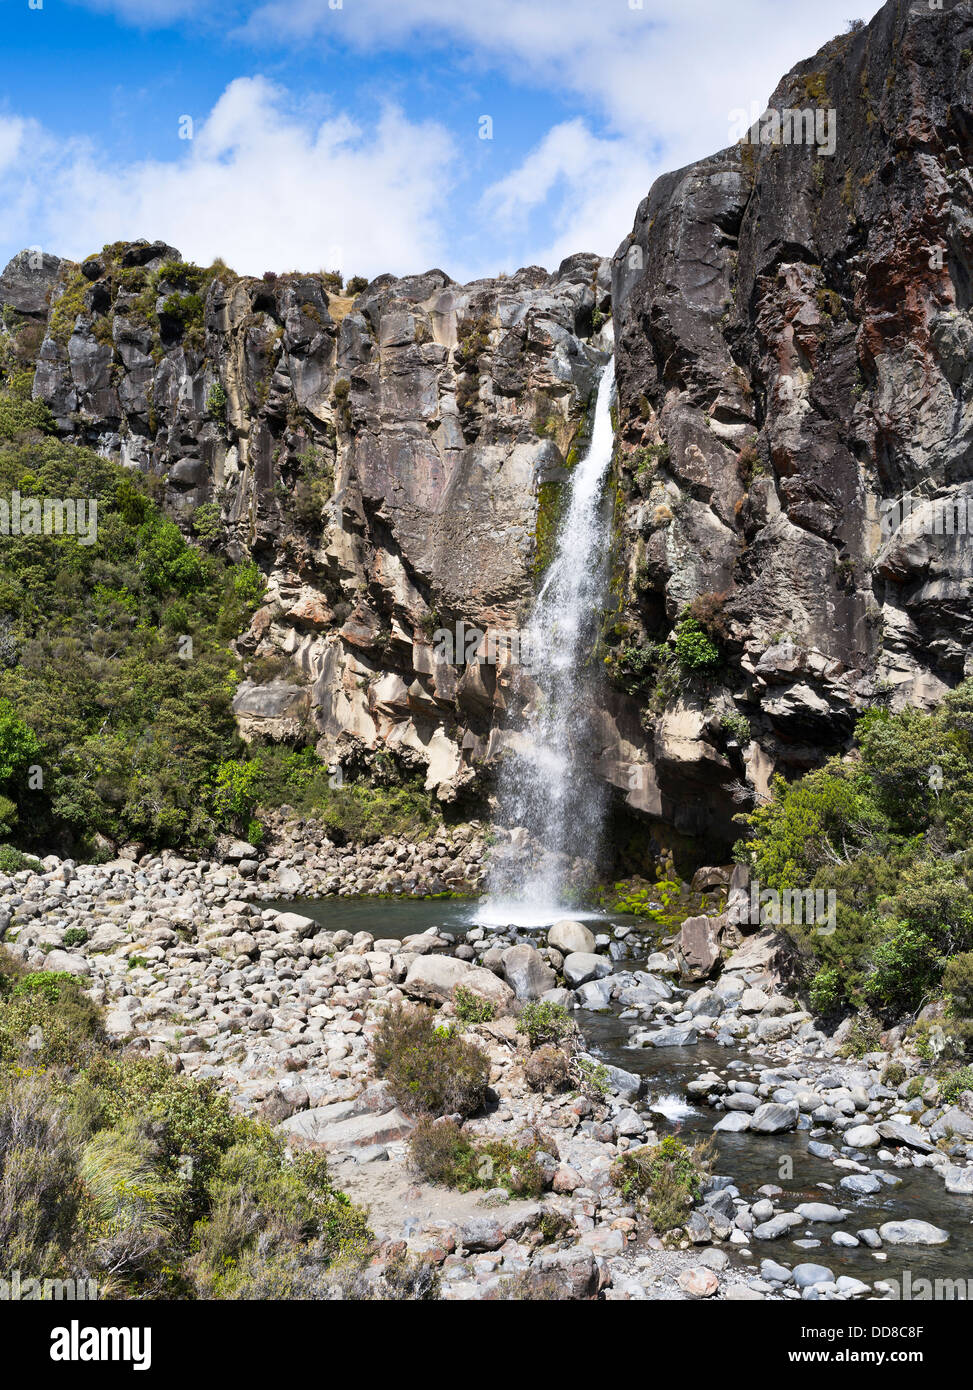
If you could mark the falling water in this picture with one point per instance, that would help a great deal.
(547, 785)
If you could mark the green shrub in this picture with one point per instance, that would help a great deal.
(443, 1154)
(827, 991)
(19, 413)
(952, 1086)
(358, 812)
(75, 936)
(666, 1177)
(592, 1078)
(40, 1186)
(234, 794)
(471, 1007)
(548, 1069)
(736, 726)
(958, 989)
(124, 677)
(46, 1020)
(865, 1035)
(695, 649)
(544, 1022)
(116, 1168)
(894, 1074)
(262, 1207)
(903, 967)
(13, 862)
(216, 401)
(186, 310)
(429, 1068)
(206, 522)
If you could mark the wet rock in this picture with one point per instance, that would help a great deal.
(897, 1132)
(581, 966)
(773, 1118)
(819, 1211)
(527, 973)
(959, 1180)
(912, 1232)
(777, 1226)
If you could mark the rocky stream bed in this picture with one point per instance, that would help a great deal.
(828, 1183)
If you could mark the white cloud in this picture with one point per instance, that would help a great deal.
(662, 78)
(657, 81)
(259, 185)
(587, 189)
(673, 69)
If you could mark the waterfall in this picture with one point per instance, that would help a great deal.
(547, 787)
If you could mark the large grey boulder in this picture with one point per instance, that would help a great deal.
(863, 1137)
(582, 966)
(733, 1122)
(806, 1275)
(912, 1232)
(67, 962)
(680, 1035)
(698, 945)
(326, 1128)
(959, 1180)
(435, 977)
(898, 1132)
(777, 1226)
(527, 973)
(571, 938)
(820, 1212)
(773, 1118)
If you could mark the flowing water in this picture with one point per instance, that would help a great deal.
(547, 786)
(549, 790)
(751, 1160)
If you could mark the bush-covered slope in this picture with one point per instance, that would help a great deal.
(116, 673)
(888, 829)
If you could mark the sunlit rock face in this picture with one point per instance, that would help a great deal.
(794, 433)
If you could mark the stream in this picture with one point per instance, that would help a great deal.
(750, 1160)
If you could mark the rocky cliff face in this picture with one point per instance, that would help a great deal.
(793, 356)
(391, 461)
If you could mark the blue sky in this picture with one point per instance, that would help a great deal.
(348, 134)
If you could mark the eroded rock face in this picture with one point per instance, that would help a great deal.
(384, 459)
(791, 330)
(793, 358)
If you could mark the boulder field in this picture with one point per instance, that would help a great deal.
(279, 1010)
